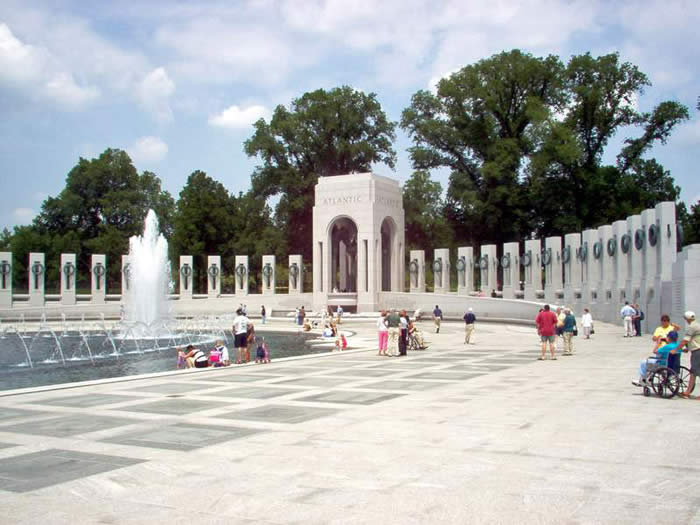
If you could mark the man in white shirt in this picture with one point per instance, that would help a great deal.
(627, 313)
(240, 330)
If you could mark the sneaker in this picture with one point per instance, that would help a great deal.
(636, 382)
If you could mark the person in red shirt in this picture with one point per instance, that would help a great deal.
(546, 322)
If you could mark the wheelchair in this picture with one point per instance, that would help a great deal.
(666, 379)
(412, 343)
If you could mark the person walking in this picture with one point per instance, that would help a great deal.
(393, 322)
(403, 332)
(568, 330)
(469, 320)
(437, 318)
(587, 323)
(382, 332)
(627, 313)
(263, 314)
(546, 322)
(691, 343)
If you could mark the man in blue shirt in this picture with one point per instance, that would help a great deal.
(662, 356)
(469, 320)
(437, 317)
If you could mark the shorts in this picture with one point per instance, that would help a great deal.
(560, 330)
(695, 363)
(201, 364)
(547, 338)
(241, 340)
(260, 354)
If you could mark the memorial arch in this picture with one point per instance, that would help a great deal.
(358, 241)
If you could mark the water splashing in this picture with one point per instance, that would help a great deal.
(149, 276)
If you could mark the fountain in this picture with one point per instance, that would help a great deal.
(149, 275)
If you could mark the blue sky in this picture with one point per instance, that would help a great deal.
(178, 84)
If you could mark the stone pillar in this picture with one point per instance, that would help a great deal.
(572, 271)
(214, 275)
(551, 260)
(68, 276)
(416, 271)
(186, 277)
(269, 274)
(686, 284)
(241, 274)
(441, 278)
(511, 270)
(36, 273)
(342, 266)
(98, 278)
(488, 268)
(6, 279)
(589, 270)
(125, 277)
(634, 275)
(666, 252)
(649, 299)
(296, 274)
(620, 264)
(530, 261)
(465, 270)
(605, 279)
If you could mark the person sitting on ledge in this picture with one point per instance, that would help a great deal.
(195, 358)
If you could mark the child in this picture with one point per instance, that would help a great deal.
(666, 353)
(267, 351)
(260, 353)
(180, 358)
(215, 357)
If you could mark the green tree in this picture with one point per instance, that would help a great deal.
(569, 187)
(690, 222)
(481, 124)
(103, 203)
(425, 222)
(323, 133)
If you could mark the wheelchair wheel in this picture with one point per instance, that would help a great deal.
(665, 382)
(412, 343)
(684, 377)
(647, 392)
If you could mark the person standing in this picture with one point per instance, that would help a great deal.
(568, 330)
(691, 343)
(637, 319)
(546, 322)
(393, 322)
(627, 313)
(382, 332)
(469, 320)
(302, 316)
(403, 332)
(587, 323)
(339, 311)
(437, 318)
(240, 331)
(263, 314)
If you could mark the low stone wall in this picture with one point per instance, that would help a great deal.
(454, 306)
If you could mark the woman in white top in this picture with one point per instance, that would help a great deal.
(383, 333)
(587, 323)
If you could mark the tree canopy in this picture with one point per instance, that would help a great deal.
(523, 139)
(103, 203)
(323, 133)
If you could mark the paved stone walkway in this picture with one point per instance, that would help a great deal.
(483, 433)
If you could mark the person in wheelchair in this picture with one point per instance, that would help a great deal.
(666, 355)
(415, 337)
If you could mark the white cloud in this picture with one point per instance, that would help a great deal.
(36, 72)
(154, 93)
(148, 150)
(235, 117)
(687, 134)
(23, 215)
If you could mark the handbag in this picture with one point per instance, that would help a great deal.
(592, 331)
(575, 331)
